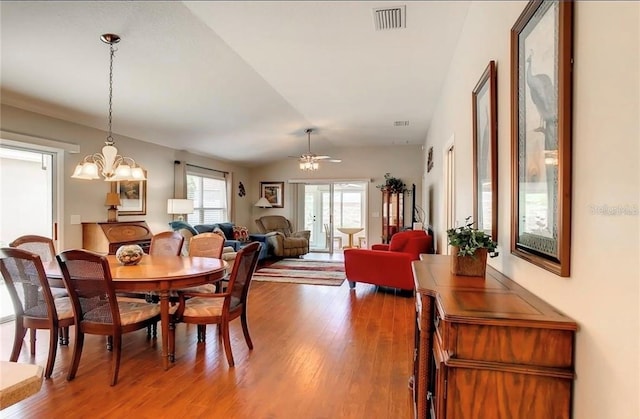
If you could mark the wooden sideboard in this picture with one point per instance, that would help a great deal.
(107, 237)
(488, 348)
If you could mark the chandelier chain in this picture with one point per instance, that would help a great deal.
(112, 53)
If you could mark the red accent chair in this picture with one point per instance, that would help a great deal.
(388, 265)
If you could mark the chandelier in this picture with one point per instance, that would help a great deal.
(112, 166)
(309, 161)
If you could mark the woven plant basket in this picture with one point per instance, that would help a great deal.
(469, 265)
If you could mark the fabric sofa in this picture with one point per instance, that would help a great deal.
(280, 236)
(228, 229)
(388, 265)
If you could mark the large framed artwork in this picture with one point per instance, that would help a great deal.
(485, 151)
(133, 196)
(541, 85)
(273, 192)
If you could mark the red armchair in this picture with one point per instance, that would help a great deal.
(388, 265)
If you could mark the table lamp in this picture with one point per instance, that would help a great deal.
(263, 203)
(112, 201)
(180, 207)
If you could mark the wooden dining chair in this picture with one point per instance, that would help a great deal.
(167, 243)
(40, 245)
(207, 245)
(43, 247)
(220, 308)
(96, 309)
(34, 305)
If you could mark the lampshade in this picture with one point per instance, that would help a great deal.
(113, 199)
(179, 206)
(263, 203)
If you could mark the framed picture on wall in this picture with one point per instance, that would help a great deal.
(273, 192)
(133, 196)
(485, 151)
(541, 89)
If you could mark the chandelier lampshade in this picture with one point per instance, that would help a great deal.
(111, 165)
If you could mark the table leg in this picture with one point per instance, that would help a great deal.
(164, 324)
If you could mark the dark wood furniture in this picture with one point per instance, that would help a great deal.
(162, 274)
(488, 348)
(97, 311)
(392, 214)
(34, 304)
(221, 308)
(105, 237)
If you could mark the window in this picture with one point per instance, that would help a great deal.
(209, 195)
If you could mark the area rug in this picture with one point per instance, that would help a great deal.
(300, 271)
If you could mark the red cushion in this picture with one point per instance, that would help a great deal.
(400, 240)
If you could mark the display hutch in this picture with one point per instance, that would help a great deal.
(392, 213)
(487, 348)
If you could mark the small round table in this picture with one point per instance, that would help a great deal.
(350, 231)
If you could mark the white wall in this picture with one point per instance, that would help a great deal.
(86, 198)
(603, 293)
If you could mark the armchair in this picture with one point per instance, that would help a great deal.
(388, 265)
(280, 235)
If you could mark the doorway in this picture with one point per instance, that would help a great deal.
(335, 213)
(28, 191)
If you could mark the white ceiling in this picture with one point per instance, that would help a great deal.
(239, 80)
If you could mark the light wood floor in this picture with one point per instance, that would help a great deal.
(319, 352)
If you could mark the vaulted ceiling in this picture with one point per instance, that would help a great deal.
(235, 80)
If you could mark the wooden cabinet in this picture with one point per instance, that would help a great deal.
(107, 237)
(392, 214)
(488, 348)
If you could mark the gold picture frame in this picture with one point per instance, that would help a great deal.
(133, 196)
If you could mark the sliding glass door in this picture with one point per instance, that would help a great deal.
(27, 189)
(335, 212)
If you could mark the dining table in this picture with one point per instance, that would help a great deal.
(160, 274)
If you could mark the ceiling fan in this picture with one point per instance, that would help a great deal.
(309, 160)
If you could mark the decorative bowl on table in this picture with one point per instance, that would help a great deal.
(129, 254)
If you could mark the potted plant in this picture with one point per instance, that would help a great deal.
(470, 248)
(392, 184)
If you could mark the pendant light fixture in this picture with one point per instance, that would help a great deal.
(112, 166)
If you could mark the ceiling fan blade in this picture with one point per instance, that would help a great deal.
(334, 161)
(321, 157)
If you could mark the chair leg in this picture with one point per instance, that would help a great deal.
(245, 329)
(117, 343)
(64, 336)
(109, 343)
(53, 346)
(18, 338)
(202, 332)
(352, 284)
(32, 336)
(77, 352)
(172, 341)
(227, 342)
(154, 328)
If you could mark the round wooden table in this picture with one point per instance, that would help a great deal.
(350, 231)
(159, 274)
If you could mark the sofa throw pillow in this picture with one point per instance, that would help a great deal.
(241, 233)
(219, 232)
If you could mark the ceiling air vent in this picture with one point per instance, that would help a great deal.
(390, 18)
(401, 123)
